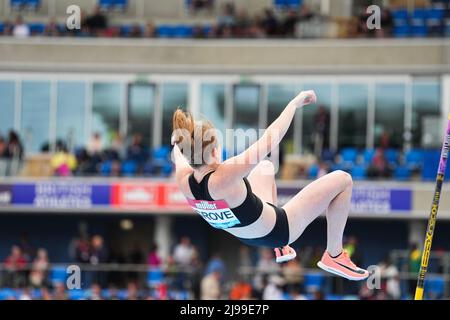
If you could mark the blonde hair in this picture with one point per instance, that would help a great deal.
(193, 136)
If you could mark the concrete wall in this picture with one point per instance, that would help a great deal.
(230, 56)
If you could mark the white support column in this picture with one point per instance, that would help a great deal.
(194, 97)
(53, 116)
(334, 127)
(163, 235)
(445, 101)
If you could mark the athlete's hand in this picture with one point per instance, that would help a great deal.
(304, 98)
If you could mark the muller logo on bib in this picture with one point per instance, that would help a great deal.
(217, 213)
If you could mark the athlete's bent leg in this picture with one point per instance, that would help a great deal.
(331, 194)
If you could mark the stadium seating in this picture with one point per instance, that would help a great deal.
(402, 173)
(25, 4)
(37, 28)
(129, 168)
(155, 277)
(58, 275)
(106, 168)
(313, 171)
(359, 172)
(313, 281)
(113, 4)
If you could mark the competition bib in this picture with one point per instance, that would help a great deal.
(216, 213)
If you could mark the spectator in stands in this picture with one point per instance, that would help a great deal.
(324, 168)
(136, 151)
(270, 23)
(14, 146)
(379, 166)
(245, 260)
(321, 130)
(15, 265)
(153, 259)
(95, 145)
(415, 258)
(352, 248)
(60, 291)
(97, 255)
(3, 147)
(39, 269)
(25, 295)
(21, 29)
(52, 29)
(184, 252)
(7, 28)
(97, 22)
(293, 273)
(210, 286)
(216, 264)
(243, 23)
(136, 31)
(289, 23)
(390, 278)
(241, 290)
(228, 17)
(95, 292)
(199, 5)
(63, 162)
(45, 294)
(132, 291)
(150, 30)
(273, 288)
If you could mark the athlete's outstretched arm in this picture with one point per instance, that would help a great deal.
(241, 165)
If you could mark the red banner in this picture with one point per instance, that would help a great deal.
(136, 195)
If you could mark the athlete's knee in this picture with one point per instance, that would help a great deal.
(266, 167)
(345, 178)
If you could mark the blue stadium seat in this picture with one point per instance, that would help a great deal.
(368, 155)
(434, 287)
(419, 31)
(313, 171)
(419, 15)
(155, 277)
(33, 4)
(8, 293)
(106, 4)
(349, 156)
(328, 155)
(58, 275)
(294, 4)
(206, 30)
(77, 294)
(183, 31)
(414, 159)
(129, 168)
(431, 162)
(391, 156)
(120, 4)
(37, 28)
(402, 173)
(435, 16)
(165, 31)
(400, 16)
(359, 172)
(17, 4)
(333, 297)
(313, 281)
(2, 27)
(401, 31)
(106, 168)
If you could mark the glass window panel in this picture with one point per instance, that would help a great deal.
(389, 114)
(352, 115)
(278, 96)
(426, 122)
(316, 119)
(7, 98)
(71, 113)
(35, 118)
(212, 105)
(107, 99)
(246, 106)
(141, 111)
(174, 95)
(246, 99)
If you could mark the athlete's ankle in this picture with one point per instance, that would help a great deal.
(335, 253)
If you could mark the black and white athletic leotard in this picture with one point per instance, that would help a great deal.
(244, 215)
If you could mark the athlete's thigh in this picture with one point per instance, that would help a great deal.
(313, 200)
(262, 179)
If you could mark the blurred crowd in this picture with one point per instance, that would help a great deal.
(28, 270)
(231, 22)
